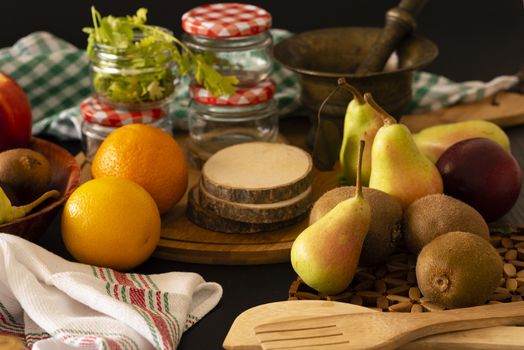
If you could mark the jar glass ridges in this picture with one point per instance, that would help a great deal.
(251, 114)
(134, 78)
(236, 34)
(99, 120)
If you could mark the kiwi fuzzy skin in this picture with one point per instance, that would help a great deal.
(27, 173)
(458, 269)
(386, 217)
(436, 214)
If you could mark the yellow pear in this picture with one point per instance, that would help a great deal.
(434, 140)
(326, 254)
(361, 122)
(398, 167)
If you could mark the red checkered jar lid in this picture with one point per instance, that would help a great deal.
(96, 112)
(226, 20)
(243, 96)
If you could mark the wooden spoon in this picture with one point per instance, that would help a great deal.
(242, 334)
(381, 330)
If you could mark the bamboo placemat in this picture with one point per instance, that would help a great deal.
(392, 286)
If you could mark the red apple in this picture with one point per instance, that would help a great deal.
(15, 115)
(481, 173)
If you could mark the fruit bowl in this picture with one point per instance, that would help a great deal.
(65, 179)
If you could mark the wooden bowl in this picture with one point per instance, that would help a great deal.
(65, 179)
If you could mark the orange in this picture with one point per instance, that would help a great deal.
(111, 222)
(148, 156)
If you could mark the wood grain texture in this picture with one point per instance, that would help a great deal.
(376, 330)
(211, 221)
(504, 109)
(182, 240)
(239, 173)
(241, 335)
(257, 213)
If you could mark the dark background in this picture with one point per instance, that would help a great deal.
(478, 39)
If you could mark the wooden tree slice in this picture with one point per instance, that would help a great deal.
(257, 213)
(209, 220)
(257, 173)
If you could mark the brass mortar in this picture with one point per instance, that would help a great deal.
(322, 56)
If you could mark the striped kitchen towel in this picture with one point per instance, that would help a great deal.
(51, 303)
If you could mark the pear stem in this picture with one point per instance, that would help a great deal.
(24, 209)
(361, 145)
(356, 94)
(324, 102)
(387, 119)
(341, 82)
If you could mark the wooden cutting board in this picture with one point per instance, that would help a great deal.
(504, 109)
(181, 240)
(241, 335)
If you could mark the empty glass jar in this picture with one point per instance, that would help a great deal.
(238, 36)
(251, 114)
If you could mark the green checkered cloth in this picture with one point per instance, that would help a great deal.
(433, 92)
(55, 76)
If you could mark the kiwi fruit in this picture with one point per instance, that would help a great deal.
(458, 269)
(384, 229)
(435, 214)
(26, 172)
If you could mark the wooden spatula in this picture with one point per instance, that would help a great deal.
(241, 335)
(381, 330)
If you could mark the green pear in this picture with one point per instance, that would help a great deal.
(9, 212)
(399, 168)
(361, 122)
(326, 254)
(434, 140)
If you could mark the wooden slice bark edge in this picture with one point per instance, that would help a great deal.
(211, 221)
(270, 194)
(257, 213)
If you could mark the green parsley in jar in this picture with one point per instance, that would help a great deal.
(134, 65)
(133, 79)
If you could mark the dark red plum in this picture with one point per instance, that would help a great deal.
(481, 173)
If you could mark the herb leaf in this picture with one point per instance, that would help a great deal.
(150, 47)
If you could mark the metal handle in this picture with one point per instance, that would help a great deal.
(400, 21)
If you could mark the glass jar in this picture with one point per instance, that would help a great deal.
(99, 120)
(238, 36)
(251, 114)
(132, 78)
